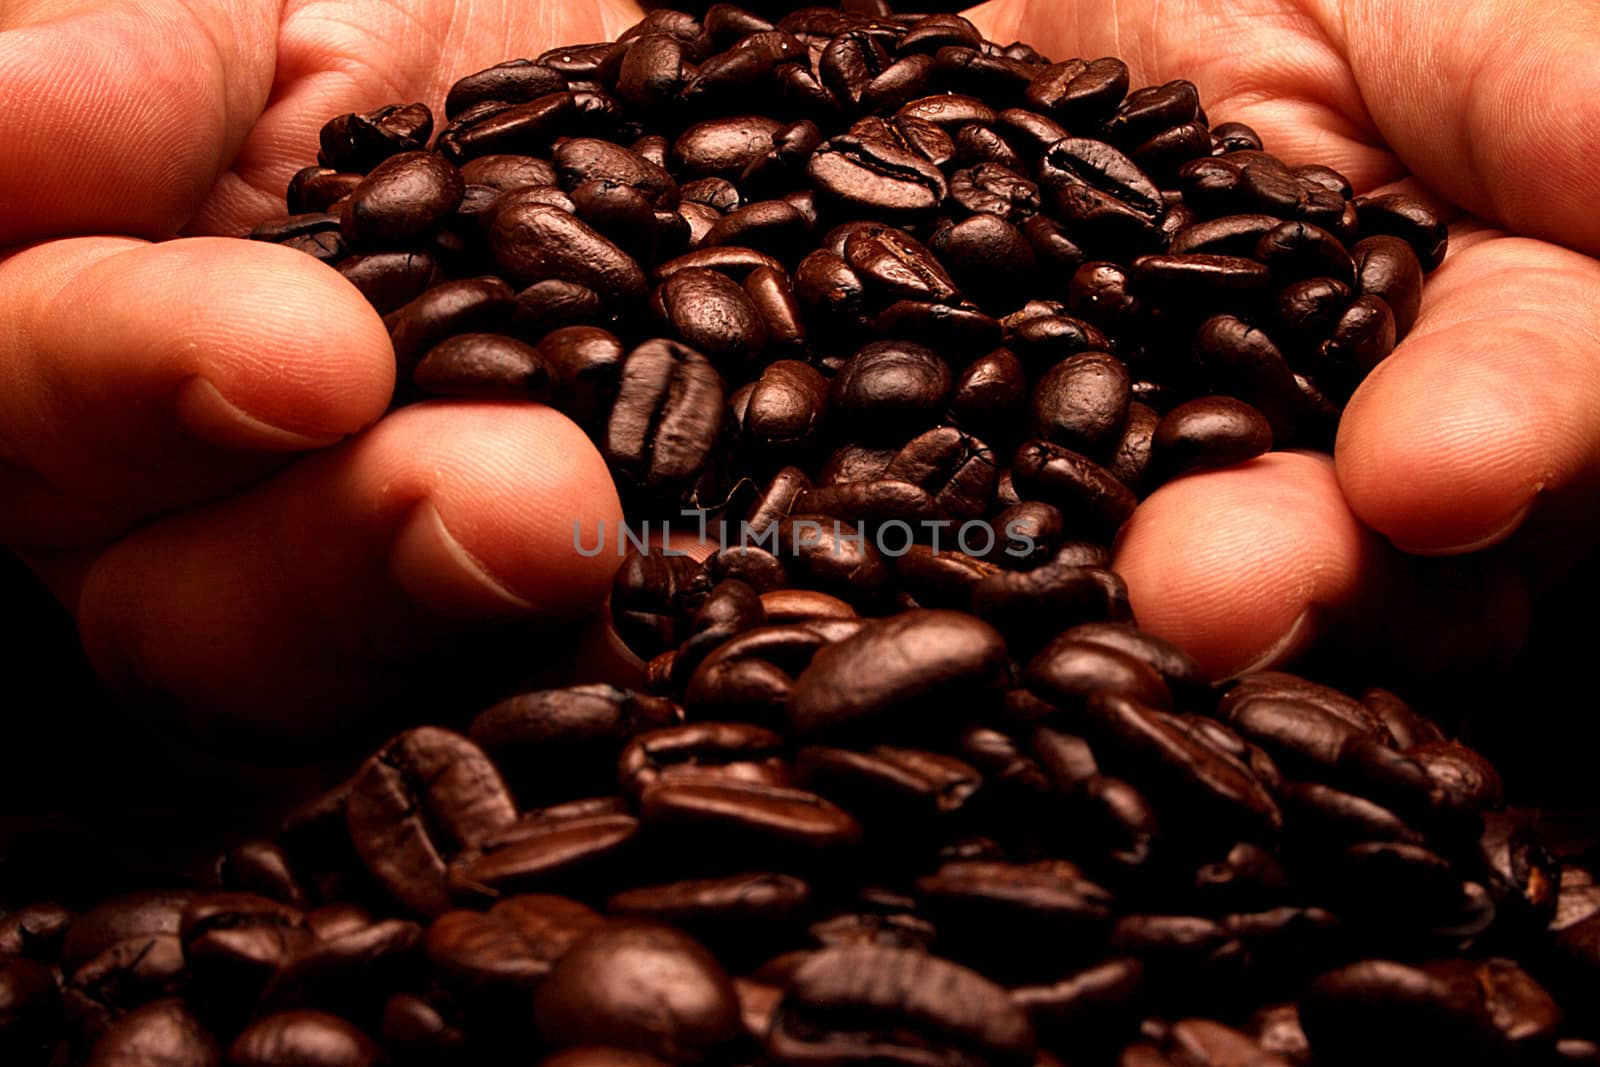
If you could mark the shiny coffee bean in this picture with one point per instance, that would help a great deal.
(666, 417)
(1207, 433)
(426, 795)
(931, 1007)
(303, 1037)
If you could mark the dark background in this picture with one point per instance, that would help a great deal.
(94, 798)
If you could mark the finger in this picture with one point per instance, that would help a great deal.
(1488, 405)
(337, 584)
(137, 378)
(1250, 567)
(1494, 104)
(119, 116)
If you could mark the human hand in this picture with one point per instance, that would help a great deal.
(188, 452)
(1466, 463)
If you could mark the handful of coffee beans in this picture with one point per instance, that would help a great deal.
(917, 319)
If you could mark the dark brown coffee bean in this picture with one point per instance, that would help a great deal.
(723, 147)
(465, 306)
(532, 243)
(483, 366)
(1185, 680)
(303, 1037)
(506, 172)
(1386, 267)
(890, 388)
(1410, 220)
(1080, 93)
(1091, 499)
(1207, 433)
(773, 295)
(514, 81)
(746, 816)
(390, 280)
(318, 188)
(1082, 402)
(359, 142)
(586, 365)
(712, 314)
(731, 260)
(1029, 606)
(861, 175)
(933, 1008)
(1363, 337)
(402, 199)
(544, 851)
(1105, 200)
(895, 266)
(569, 737)
(726, 751)
(887, 670)
(1296, 250)
(163, 1033)
(786, 406)
(666, 417)
(1230, 235)
(424, 796)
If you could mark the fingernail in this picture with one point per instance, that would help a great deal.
(1497, 534)
(1294, 641)
(441, 575)
(205, 413)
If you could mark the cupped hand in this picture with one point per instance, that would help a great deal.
(1466, 464)
(190, 445)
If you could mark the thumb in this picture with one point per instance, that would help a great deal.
(120, 115)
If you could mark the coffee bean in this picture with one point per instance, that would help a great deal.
(929, 1005)
(303, 1037)
(1208, 432)
(402, 198)
(666, 416)
(532, 243)
(426, 795)
(891, 387)
(870, 175)
(1387, 268)
(883, 673)
(1407, 218)
(483, 366)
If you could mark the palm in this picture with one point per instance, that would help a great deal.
(335, 56)
(1447, 444)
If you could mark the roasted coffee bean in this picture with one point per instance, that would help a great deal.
(861, 175)
(466, 306)
(514, 81)
(1103, 196)
(723, 147)
(884, 673)
(506, 172)
(426, 795)
(310, 1037)
(35, 932)
(777, 823)
(1386, 267)
(585, 363)
(554, 850)
(930, 1008)
(1407, 218)
(666, 417)
(1091, 499)
(712, 314)
(723, 751)
(483, 366)
(509, 947)
(403, 198)
(1028, 605)
(164, 1033)
(558, 742)
(1082, 402)
(1206, 433)
(359, 142)
(891, 387)
(315, 189)
(390, 280)
(532, 243)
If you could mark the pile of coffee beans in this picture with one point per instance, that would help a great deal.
(727, 247)
(920, 317)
